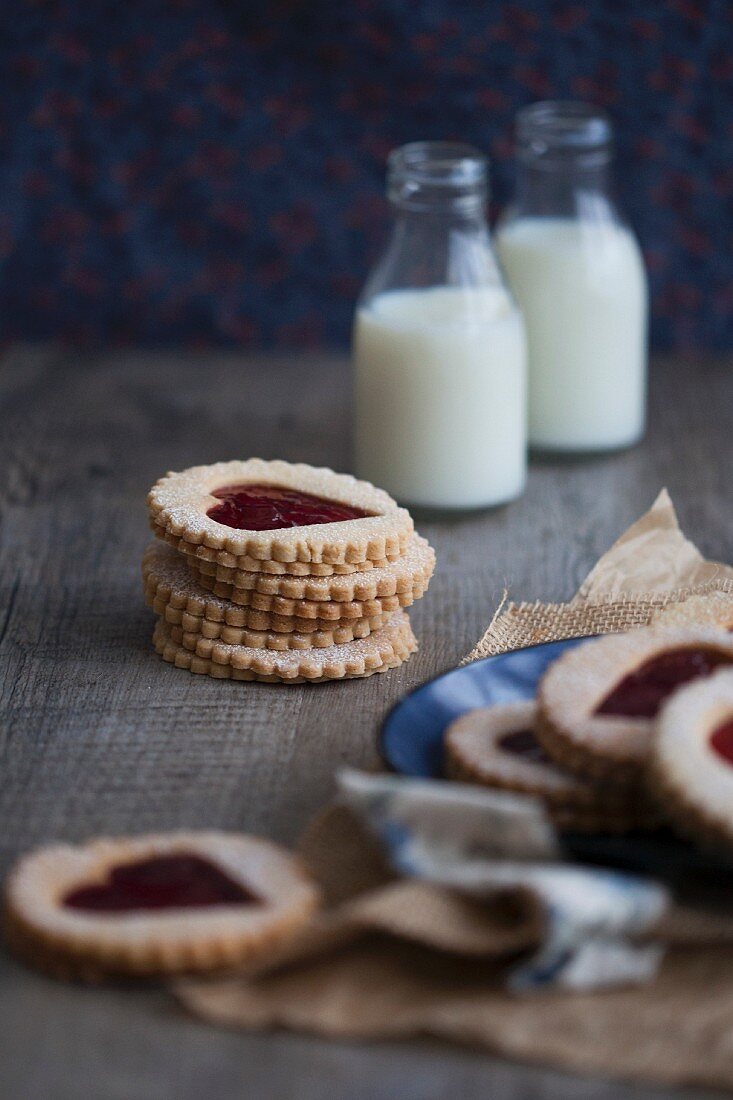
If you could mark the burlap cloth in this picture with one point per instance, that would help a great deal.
(394, 958)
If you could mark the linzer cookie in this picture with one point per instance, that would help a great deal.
(497, 747)
(383, 649)
(599, 701)
(188, 902)
(714, 610)
(312, 609)
(173, 594)
(264, 560)
(691, 761)
(410, 572)
(276, 511)
(204, 554)
(338, 634)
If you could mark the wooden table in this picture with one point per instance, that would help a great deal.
(99, 736)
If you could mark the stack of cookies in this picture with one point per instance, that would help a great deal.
(627, 731)
(281, 573)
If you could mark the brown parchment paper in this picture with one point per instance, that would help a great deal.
(651, 565)
(388, 958)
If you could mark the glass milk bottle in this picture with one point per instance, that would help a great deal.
(439, 349)
(577, 273)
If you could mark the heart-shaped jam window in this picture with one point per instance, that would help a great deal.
(252, 507)
(721, 741)
(180, 881)
(642, 692)
(524, 743)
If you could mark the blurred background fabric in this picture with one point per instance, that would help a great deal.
(212, 174)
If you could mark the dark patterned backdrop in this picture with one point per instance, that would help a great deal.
(212, 173)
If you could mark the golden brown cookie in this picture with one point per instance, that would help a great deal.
(385, 648)
(202, 643)
(173, 593)
(312, 609)
(173, 903)
(414, 568)
(497, 747)
(274, 568)
(599, 701)
(195, 630)
(691, 760)
(277, 511)
(714, 610)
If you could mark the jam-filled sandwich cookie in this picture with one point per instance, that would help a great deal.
(691, 765)
(497, 747)
(196, 555)
(411, 571)
(173, 903)
(598, 702)
(382, 650)
(312, 609)
(174, 594)
(277, 511)
(713, 610)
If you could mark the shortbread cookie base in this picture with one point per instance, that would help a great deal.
(179, 503)
(384, 649)
(473, 755)
(414, 568)
(692, 785)
(168, 580)
(270, 568)
(88, 946)
(713, 610)
(263, 622)
(603, 747)
(312, 609)
(191, 631)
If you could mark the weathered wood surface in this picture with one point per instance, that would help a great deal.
(99, 736)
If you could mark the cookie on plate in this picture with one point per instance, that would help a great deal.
(172, 903)
(691, 761)
(497, 747)
(598, 702)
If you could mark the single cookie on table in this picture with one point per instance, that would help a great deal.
(278, 511)
(384, 649)
(599, 701)
(713, 610)
(173, 903)
(691, 760)
(413, 569)
(497, 747)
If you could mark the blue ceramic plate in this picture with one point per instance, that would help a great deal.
(412, 744)
(412, 735)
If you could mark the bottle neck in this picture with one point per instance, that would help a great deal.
(564, 190)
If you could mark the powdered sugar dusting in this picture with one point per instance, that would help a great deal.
(180, 501)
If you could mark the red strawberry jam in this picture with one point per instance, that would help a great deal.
(180, 881)
(524, 743)
(269, 507)
(642, 692)
(721, 741)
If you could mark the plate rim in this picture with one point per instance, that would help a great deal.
(441, 675)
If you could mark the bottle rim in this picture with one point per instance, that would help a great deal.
(564, 129)
(423, 174)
